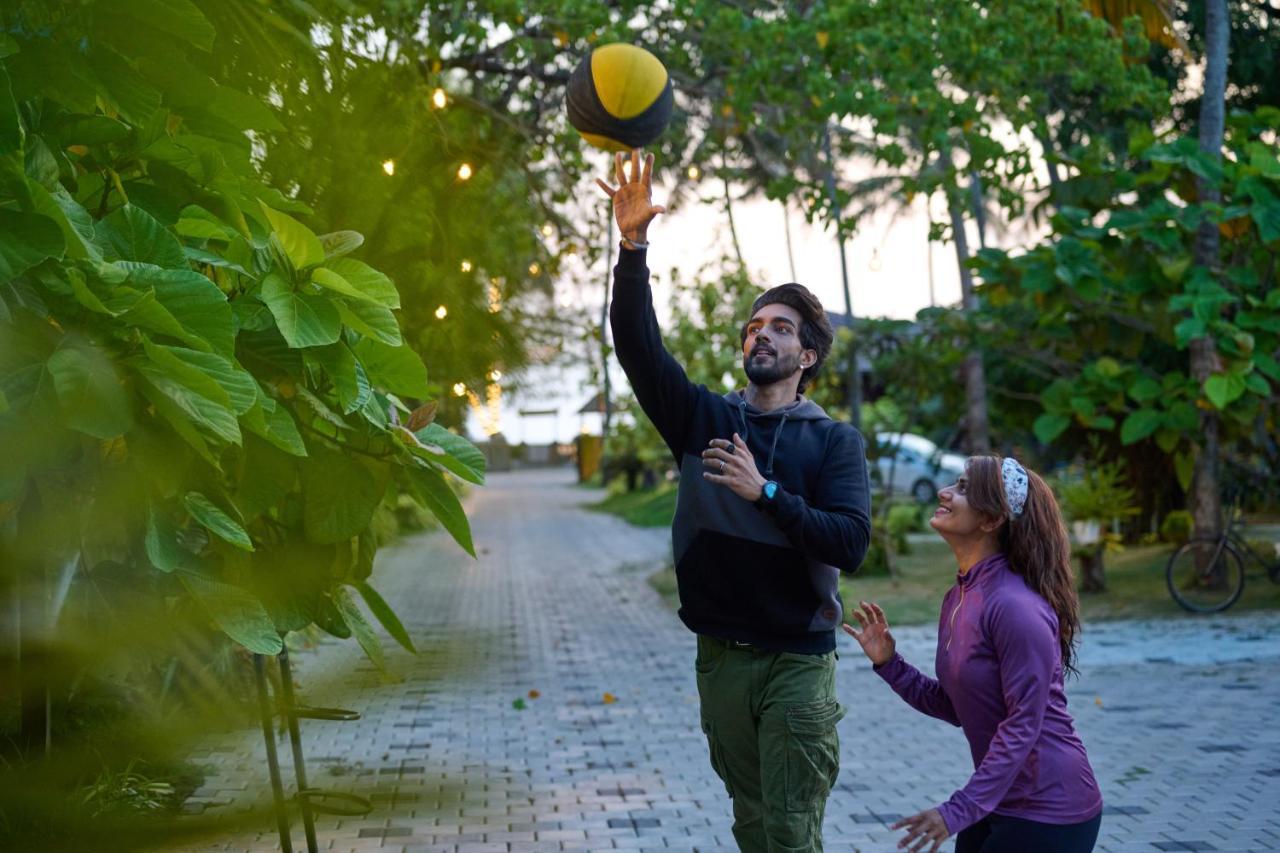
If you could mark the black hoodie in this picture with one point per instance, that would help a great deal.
(766, 577)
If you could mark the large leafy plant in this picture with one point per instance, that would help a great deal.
(193, 383)
(1103, 312)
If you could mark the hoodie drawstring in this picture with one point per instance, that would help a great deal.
(768, 468)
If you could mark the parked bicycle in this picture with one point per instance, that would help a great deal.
(1206, 575)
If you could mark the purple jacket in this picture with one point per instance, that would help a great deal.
(999, 671)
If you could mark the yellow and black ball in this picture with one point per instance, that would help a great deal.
(620, 97)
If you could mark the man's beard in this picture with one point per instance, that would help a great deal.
(768, 373)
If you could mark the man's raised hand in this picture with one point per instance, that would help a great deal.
(633, 205)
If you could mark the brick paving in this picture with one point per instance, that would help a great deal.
(1181, 718)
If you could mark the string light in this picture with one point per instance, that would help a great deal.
(459, 389)
(547, 230)
(466, 266)
(694, 173)
(442, 312)
(495, 375)
(389, 166)
(439, 99)
(464, 172)
(534, 269)
(875, 265)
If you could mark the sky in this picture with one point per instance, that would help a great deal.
(889, 276)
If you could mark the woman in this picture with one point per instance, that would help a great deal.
(1006, 635)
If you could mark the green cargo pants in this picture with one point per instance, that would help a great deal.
(770, 721)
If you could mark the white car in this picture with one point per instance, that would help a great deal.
(920, 467)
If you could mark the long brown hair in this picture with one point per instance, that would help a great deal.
(1035, 544)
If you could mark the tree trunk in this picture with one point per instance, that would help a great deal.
(1205, 495)
(978, 203)
(1093, 574)
(733, 228)
(977, 431)
(853, 379)
(604, 348)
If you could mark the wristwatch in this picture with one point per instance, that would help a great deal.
(767, 491)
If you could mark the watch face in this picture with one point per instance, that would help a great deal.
(770, 489)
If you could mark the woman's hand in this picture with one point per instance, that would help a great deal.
(876, 641)
(633, 205)
(923, 828)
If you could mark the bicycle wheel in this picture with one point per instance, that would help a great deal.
(1205, 575)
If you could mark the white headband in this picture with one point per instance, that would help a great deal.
(1015, 485)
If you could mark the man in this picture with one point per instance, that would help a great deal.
(773, 504)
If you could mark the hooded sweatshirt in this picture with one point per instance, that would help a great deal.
(765, 575)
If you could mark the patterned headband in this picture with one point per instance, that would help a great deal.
(1015, 485)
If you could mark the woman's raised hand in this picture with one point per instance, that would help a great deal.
(876, 641)
(633, 205)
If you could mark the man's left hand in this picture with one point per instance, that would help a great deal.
(730, 463)
(923, 829)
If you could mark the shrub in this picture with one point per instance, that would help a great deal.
(1176, 527)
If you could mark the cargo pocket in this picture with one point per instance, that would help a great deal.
(813, 753)
(717, 755)
(710, 653)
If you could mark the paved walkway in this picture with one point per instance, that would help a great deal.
(1181, 719)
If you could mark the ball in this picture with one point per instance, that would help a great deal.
(619, 97)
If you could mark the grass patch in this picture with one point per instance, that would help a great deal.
(643, 507)
(1135, 576)
(1135, 587)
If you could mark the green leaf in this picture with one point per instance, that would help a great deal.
(464, 458)
(266, 475)
(74, 221)
(304, 320)
(213, 417)
(179, 18)
(240, 387)
(300, 244)
(210, 516)
(396, 369)
(360, 626)
(26, 239)
(1267, 365)
(1223, 388)
(1184, 466)
(373, 321)
(431, 490)
(11, 132)
(1145, 389)
(1139, 424)
(161, 542)
(339, 243)
(1049, 426)
(237, 612)
(330, 280)
(276, 425)
(367, 280)
(1256, 383)
(348, 375)
(384, 614)
(89, 390)
(79, 129)
(339, 495)
(195, 302)
(132, 234)
(179, 420)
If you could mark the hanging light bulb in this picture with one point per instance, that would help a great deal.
(459, 389)
(875, 265)
(495, 375)
(534, 268)
(547, 230)
(439, 99)
(694, 173)
(389, 166)
(464, 172)
(442, 312)
(465, 266)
